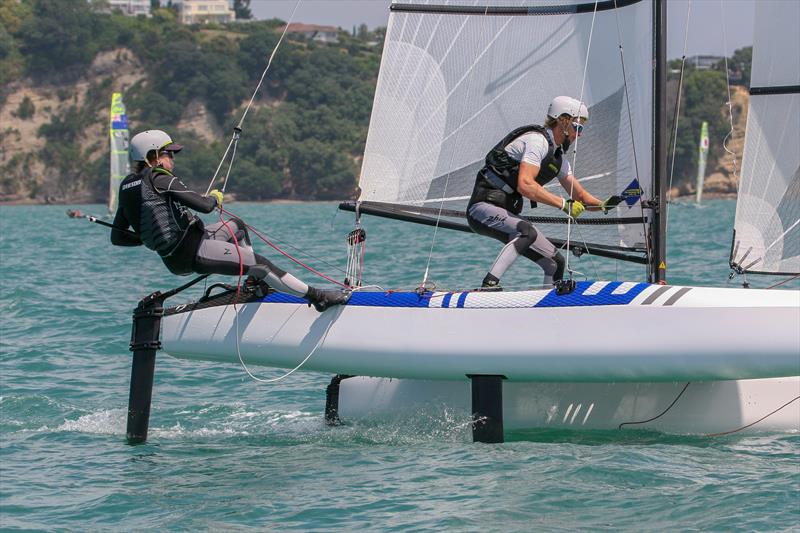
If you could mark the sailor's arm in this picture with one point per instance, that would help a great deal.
(179, 191)
(573, 186)
(529, 188)
(119, 235)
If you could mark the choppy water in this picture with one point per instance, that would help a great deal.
(225, 452)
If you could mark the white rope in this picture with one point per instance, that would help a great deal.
(238, 128)
(290, 372)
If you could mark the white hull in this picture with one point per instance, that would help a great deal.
(605, 355)
(599, 333)
(702, 408)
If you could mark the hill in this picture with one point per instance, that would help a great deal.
(303, 139)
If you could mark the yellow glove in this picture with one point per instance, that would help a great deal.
(216, 195)
(610, 203)
(573, 208)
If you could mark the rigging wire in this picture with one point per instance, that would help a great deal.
(648, 247)
(238, 129)
(677, 112)
(577, 139)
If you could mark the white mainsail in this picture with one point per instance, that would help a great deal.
(118, 136)
(767, 227)
(455, 78)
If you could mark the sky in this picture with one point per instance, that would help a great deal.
(707, 20)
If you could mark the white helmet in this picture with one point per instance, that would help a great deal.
(157, 140)
(566, 105)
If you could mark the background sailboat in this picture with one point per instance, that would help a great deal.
(702, 153)
(118, 139)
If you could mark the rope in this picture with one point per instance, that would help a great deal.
(238, 129)
(287, 255)
(730, 103)
(290, 372)
(662, 412)
(787, 280)
(753, 423)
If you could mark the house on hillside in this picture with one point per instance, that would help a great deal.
(312, 32)
(130, 8)
(204, 11)
(703, 62)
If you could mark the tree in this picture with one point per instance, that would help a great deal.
(742, 61)
(58, 36)
(242, 9)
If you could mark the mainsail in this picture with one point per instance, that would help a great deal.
(767, 228)
(118, 131)
(456, 78)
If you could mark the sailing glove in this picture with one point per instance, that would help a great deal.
(610, 203)
(216, 194)
(573, 208)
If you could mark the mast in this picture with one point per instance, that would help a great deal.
(658, 255)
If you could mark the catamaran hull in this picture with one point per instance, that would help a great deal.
(608, 355)
(704, 407)
(602, 332)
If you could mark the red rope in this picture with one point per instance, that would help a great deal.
(238, 252)
(275, 247)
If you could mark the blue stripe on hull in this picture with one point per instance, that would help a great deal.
(577, 298)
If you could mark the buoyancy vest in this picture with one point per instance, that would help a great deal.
(496, 183)
(163, 223)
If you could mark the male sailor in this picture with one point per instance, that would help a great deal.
(520, 165)
(157, 205)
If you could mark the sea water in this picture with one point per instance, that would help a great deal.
(225, 452)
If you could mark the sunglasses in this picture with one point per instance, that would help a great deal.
(578, 127)
(171, 155)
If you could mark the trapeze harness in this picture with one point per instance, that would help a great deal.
(495, 202)
(497, 181)
(163, 224)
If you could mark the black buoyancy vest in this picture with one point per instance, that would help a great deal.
(163, 222)
(499, 164)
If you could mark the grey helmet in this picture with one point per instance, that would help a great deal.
(566, 105)
(157, 140)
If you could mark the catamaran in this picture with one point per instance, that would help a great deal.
(456, 77)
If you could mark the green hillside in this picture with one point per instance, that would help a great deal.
(61, 59)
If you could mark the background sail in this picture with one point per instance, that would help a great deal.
(118, 130)
(456, 78)
(702, 153)
(767, 226)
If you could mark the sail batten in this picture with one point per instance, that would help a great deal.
(767, 224)
(453, 82)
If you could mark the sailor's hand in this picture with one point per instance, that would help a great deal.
(609, 203)
(216, 194)
(573, 208)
